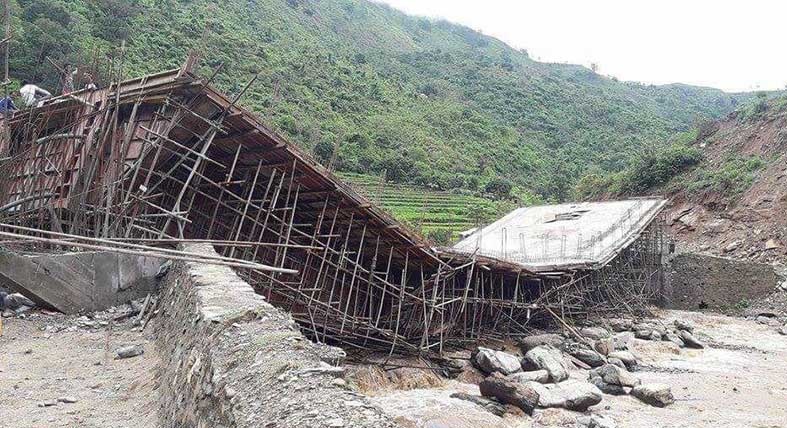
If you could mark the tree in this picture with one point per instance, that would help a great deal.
(499, 187)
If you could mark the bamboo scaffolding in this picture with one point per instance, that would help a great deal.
(149, 164)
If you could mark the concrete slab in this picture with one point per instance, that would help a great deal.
(562, 236)
(74, 282)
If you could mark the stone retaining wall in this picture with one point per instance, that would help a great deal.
(698, 281)
(230, 359)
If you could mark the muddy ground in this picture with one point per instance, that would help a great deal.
(739, 380)
(39, 364)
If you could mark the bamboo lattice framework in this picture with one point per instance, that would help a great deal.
(148, 163)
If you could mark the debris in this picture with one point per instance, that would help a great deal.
(490, 361)
(772, 244)
(510, 392)
(15, 302)
(783, 330)
(548, 358)
(47, 403)
(129, 352)
(690, 340)
(658, 395)
(67, 399)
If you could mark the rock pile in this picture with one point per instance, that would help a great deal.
(541, 378)
(681, 333)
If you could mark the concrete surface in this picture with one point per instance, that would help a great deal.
(559, 236)
(84, 281)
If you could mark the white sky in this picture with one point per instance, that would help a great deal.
(736, 45)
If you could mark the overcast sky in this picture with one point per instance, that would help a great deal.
(733, 45)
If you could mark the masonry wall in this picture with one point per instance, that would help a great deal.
(697, 281)
(230, 359)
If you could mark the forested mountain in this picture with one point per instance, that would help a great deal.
(429, 102)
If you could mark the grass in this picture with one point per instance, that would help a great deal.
(437, 215)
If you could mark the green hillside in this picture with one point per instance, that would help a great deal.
(438, 215)
(430, 103)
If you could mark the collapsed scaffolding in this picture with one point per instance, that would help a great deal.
(148, 163)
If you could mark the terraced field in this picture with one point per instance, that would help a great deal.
(437, 215)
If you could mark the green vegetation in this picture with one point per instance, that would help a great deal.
(431, 103)
(437, 215)
(733, 177)
(650, 168)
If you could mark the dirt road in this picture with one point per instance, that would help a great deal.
(39, 364)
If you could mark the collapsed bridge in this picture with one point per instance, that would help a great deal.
(146, 164)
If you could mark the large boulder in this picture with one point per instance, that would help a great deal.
(656, 394)
(530, 342)
(690, 340)
(594, 333)
(625, 356)
(616, 362)
(507, 391)
(587, 356)
(596, 421)
(571, 394)
(546, 357)
(604, 346)
(620, 324)
(491, 361)
(674, 338)
(684, 325)
(615, 375)
(540, 376)
(598, 382)
(622, 341)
